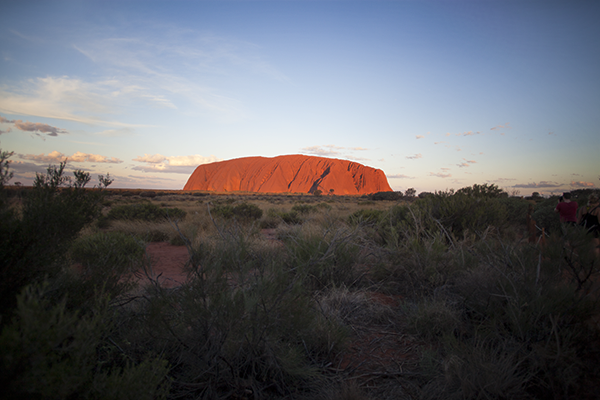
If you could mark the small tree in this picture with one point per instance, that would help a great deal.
(5, 174)
(485, 190)
(317, 192)
(410, 193)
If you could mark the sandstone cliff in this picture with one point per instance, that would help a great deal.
(291, 173)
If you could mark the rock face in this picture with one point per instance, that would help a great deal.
(292, 173)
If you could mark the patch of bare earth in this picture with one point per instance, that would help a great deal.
(167, 264)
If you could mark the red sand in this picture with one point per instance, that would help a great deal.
(292, 173)
(168, 263)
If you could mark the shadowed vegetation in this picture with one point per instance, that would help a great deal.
(436, 296)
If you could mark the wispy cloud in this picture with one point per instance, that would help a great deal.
(94, 103)
(331, 150)
(38, 127)
(503, 180)
(466, 163)
(150, 158)
(324, 151)
(25, 171)
(399, 176)
(79, 157)
(440, 175)
(415, 156)
(34, 127)
(177, 63)
(420, 137)
(541, 184)
(86, 157)
(505, 126)
(358, 148)
(172, 70)
(116, 132)
(173, 164)
(582, 185)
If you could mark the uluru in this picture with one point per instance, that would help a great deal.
(289, 173)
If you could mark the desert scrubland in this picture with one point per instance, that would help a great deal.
(296, 296)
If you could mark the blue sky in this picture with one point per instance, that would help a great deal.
(437, 94)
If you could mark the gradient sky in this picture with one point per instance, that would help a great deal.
(437, 94)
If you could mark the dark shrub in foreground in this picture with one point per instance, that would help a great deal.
(33, 243)
(51, 352)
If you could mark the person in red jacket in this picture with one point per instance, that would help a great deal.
(567, 210)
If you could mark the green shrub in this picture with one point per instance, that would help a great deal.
(247, 211)
(245, 317)
(271, 220)
(50, 352)
(516, 209)
(519, 319)
(389, 196)
(224, 211)
(33, 243)
(148, 193)
(324, 206)
(432, 318)
(324, 261)
(145, 211)
(545, 216)
(275, 217)
(366, 217)
(454, 216)
(113, 249)
(107, 260)
(291, 217)
(303, 208)
(243, 212)
(483, 191)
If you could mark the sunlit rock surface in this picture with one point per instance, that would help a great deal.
(291, 173)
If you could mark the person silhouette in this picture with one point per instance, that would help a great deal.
(567, 210)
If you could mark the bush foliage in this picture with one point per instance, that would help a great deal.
(479, 312)
(242, 212)
(34, 242)
(145, 212)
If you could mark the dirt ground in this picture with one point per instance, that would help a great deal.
(167, 263)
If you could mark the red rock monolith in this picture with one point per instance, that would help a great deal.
(290, 173)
